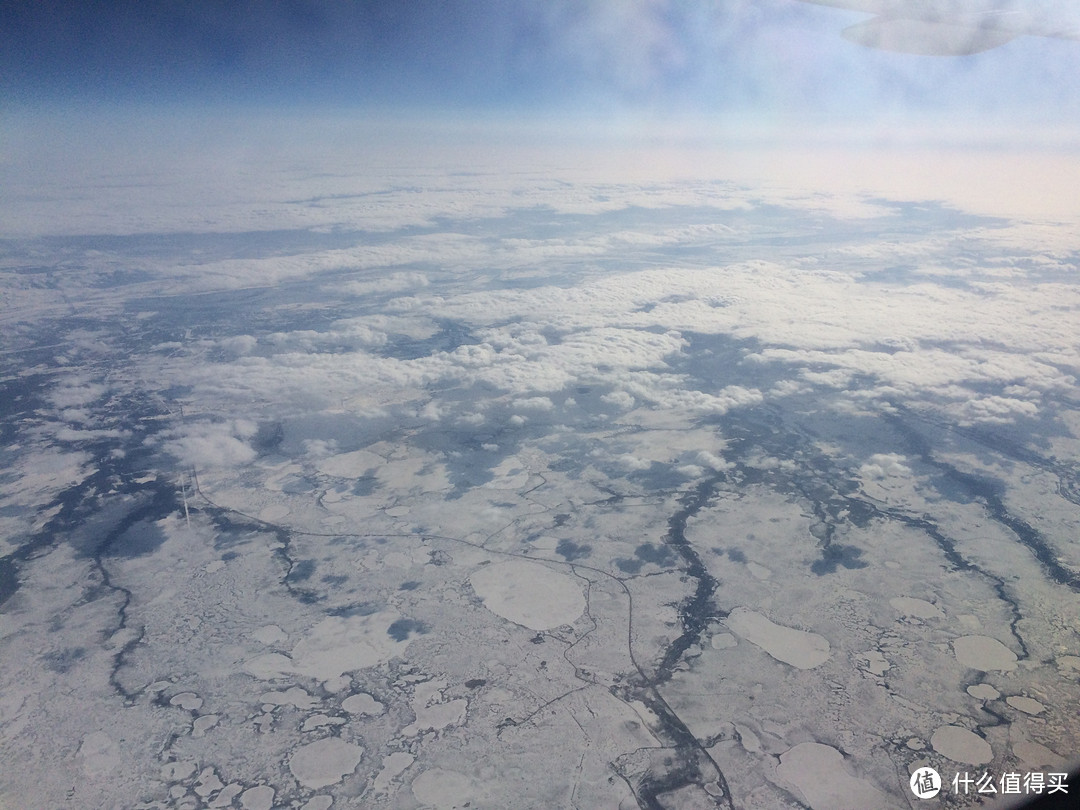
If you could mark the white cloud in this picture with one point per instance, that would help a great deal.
(431, 412)
(471, 419)
(395, 282)
(75, 393)
(814, 313)
(67, 434)
(885, 465)
(210, 451)
(240, 345)
(713, 461)
(319, 448)
(992, 409)
(619, 399)
(632, 462)
(622, 330)
(209, 445)
(690, 470)
(534, 404)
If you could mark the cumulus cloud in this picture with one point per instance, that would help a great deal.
(614, 328)
(534, 404)
(690, 470)
(624, 330)
(319, 448)
(239, 345)
(75, 393)
(213, 444)
(885, 465)
(713, 461)
(394, 282)
(631, 462)
(67, 434)
(431, 412)
(992, 409)
(619, 399)
(819, 320)
(343, 336)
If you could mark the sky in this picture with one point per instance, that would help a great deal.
(780, 65)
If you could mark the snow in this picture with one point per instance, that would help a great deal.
(984, 654)
(529, 594)
(819, 773)
(324, 762)
(1025, 704)
(799, 648)
(961, 745)
(362, 703)
(919, 608)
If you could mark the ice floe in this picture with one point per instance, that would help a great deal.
(324, 762)
(984, 654)
(529, 594)
(961, 745)
(919, 608)
(819, 773)
(362, 703)
(983, 691)
(799, 648)
(1025, 704)
(447, 790)
(260, 797)
(334, 646)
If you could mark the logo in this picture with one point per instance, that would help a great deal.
(925, 783)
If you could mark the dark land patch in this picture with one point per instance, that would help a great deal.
(402, 629)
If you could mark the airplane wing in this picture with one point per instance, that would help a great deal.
(926, 37)
(951, 27)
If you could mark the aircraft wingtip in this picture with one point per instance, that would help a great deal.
(926, 38)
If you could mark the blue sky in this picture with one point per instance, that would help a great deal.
(778, 63)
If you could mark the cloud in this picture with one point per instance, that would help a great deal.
(551, 282)
(319, 448)
(885, 465)
(67, 434)
(240, 345)
(991, 409)
(619, 399)
(395, 282)
(625, 331)
(631, 462)
(76, 392)
(713, 461)
(212, 445)
(534, 404)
